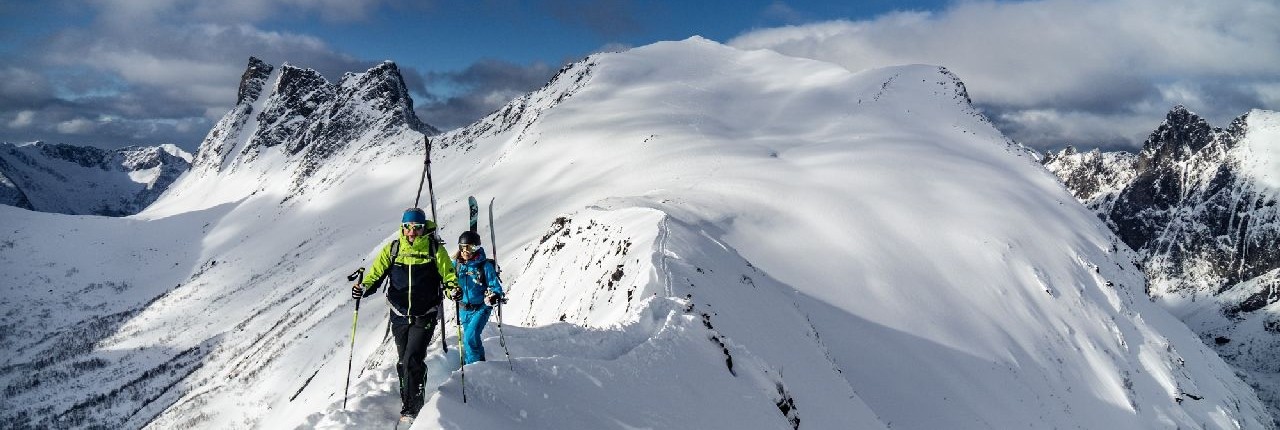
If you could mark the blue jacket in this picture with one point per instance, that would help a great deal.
(475, 275)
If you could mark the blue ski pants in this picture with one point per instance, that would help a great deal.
(473, 322)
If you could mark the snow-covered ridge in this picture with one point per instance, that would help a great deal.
(693, 236)
(87, 180)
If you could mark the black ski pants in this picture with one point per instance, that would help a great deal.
(413, 336)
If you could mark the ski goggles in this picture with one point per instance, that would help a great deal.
(414, 226)
(468, 247)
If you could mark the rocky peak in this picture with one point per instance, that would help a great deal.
(1186, 205)
(307, 118)
(1181, 135)
(1205, 229)
(253, 79)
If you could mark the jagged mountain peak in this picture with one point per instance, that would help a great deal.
(1200, 208)
(1181, 135)
(253, 80)
(294, 120)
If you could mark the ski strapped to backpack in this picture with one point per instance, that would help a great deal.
(493, 244)
(426, 177)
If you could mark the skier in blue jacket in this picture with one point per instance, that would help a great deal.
(479, 290)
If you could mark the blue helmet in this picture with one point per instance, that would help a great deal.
(414, 215)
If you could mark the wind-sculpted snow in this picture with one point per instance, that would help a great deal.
(692, 236)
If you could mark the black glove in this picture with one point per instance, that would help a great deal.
(454, 293)
(493, 299)
(358, 292)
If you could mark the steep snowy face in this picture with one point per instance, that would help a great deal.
(1199, 205)
(692, 236)
(87, 180)
(292, 119)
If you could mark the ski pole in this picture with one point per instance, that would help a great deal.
(502, 340)
(462, 358)
(354, 276)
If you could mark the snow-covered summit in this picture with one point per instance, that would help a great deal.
(692, 236)
(87, 180)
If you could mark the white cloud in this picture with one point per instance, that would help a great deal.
(23, 119)
(1269, 93)
(1095, 57)
(76, 126)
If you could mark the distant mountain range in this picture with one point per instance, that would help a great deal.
(85, 180)
(1199, 205)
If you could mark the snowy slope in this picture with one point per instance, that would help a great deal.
(87, 180)
(694, 236)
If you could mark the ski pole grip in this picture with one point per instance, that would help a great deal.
(356, 275)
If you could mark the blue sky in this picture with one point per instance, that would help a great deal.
(1048, 72)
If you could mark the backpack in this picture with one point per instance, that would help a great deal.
(395, 247)
(395, 252)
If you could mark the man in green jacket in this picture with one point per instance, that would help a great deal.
(418, 266)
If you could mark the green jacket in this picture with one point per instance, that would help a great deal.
(416, 277)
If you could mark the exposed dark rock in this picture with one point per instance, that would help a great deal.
(252, 81)
(308, 118)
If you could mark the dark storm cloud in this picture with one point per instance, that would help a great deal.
(483, 87)
(21, 87)
(1050, 72)
(153, 72)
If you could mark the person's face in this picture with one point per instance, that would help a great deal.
(467, 251)
(412, 229)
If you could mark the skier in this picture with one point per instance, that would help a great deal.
(418, 266)
(478, 291)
